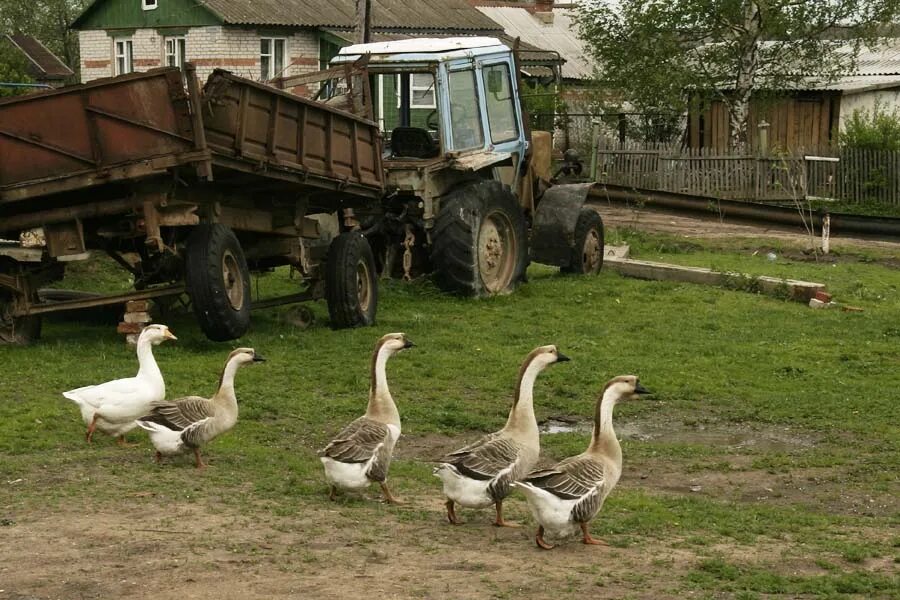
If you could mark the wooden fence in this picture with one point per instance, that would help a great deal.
(845, 174)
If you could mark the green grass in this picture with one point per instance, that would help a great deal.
(716, 359)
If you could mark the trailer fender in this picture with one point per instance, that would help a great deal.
(555, 219)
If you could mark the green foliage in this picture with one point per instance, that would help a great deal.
(47, 20)
(875, 129)
(652, 51)
(13, 69)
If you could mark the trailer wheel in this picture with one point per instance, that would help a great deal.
(479, 245)
(16, 330)
(218, 282)
(351, 281)
(587, 252)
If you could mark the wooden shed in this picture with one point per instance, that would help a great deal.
(799, 119)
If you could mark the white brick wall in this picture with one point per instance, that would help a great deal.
(234, 49)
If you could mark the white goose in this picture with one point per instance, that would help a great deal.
(113, 407)
(361, 453)
(567, 496)
(187, 423)
(480, 474)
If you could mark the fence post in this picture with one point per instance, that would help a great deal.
(595, 143)
(762, 154)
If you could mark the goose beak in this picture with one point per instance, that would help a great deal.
(639, 389)
(259, 358)
(560, 357)
(408, 344)
(169, 335)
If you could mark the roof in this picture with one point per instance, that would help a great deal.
(428, 15)
(541, 30)
(422, 45)
(881, 61)
(531, 55)
(422, 50)
(43, 64)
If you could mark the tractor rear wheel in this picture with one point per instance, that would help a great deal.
(479, 241)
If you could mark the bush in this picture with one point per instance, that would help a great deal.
(875, 129)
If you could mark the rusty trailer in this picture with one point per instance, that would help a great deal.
(189, 191)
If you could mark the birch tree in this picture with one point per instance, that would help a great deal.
(658, 53)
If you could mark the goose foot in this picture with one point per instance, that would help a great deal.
(158, 457)
(332, 494)
(451, 513)
(388, 496)
(539, 539)
(587, 539)
(125, 444)
(89, 436)
(499, 522)
(200, 463)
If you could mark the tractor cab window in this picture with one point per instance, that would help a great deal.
(465, 114)
(499, 100)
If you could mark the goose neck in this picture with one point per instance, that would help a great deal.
(147, 366)
(226, 382)
(604, 440)
(381, 405)
(521, 417)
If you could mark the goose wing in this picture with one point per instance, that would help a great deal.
(486, 458)
(570, 479)
(198, 433)
(183, 413)
(117, 391)
(357, 442)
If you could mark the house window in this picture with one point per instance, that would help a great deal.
(124, 56)
(421, 90)
(271, 58)
(175, 51)
(149, 4)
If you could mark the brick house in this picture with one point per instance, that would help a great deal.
(259, 40)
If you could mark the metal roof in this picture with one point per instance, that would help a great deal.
(530, 55)
(43, 63)
(880, 61)
(422, 45)
(557, 33)
(419, 15)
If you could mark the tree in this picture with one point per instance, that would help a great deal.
(659, 52)
(47, 20)
(13, 69)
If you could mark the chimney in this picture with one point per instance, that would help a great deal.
(543, 11)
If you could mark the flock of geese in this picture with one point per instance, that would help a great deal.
(563, 498)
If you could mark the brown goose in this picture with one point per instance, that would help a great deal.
(186, 424)
(361, 452)
(481, 473)
(567, 496)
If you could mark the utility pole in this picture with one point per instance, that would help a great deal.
(363, 21)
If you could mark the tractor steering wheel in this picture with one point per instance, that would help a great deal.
(431, 121)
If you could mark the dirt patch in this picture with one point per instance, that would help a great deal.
(654, 220)
(152, 545)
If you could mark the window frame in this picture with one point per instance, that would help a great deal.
(272, 54)
(149, 4)
(180, 46)
(477, 109)
(127, 56)
(512, 104)
(413, 88)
